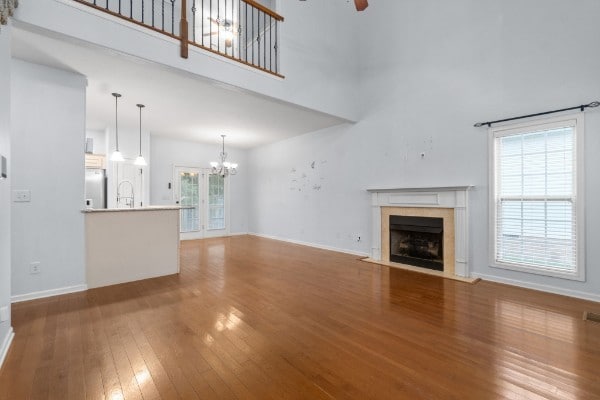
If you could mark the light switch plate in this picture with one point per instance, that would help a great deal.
(4, 314)
(21, 196)
(34, 267)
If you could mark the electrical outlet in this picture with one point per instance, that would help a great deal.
(21, 196)
(34, 267)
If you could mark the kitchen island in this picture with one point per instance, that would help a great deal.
(129, 244)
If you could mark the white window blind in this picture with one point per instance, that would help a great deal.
(535, 198)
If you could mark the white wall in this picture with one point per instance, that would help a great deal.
(47, 137)
(317, 54)
(100, 141)
(165, 153)
(311, 189)
(5, 214)
(425, 80)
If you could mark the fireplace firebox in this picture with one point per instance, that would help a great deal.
(417, 241)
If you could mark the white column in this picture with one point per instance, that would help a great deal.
(376, 233)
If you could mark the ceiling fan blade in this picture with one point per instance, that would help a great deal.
(361, 4)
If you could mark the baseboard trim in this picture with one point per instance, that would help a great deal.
(6, 345)
(48, 293)
(212, 237)
(315, 245)
(540, 287)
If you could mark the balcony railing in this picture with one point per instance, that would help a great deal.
(240, 30)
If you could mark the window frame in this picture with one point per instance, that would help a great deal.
(495, 132)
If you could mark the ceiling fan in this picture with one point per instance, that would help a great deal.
(225, 27)
(360, 4)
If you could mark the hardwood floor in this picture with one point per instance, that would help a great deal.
(252, 318)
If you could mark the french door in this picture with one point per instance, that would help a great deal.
(204, 202)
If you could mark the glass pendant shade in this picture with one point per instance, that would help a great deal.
(117, 156)
(140, 161)
(228, 34)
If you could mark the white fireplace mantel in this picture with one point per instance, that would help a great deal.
(454, 197)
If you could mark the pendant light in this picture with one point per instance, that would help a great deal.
(224, 167)
(140, 159)
(116, 155)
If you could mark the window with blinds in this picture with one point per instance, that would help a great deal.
(536, 211)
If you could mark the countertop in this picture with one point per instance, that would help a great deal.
(147, 208)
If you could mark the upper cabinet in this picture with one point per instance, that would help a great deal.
(95, 161)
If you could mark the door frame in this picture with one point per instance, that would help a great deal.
(192, 235)
(203, 231)
(216, 232)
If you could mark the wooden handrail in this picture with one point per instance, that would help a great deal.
(262, 40)
(264, 9)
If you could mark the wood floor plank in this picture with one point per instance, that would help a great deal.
(252, 318)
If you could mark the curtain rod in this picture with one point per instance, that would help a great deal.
(581, 107)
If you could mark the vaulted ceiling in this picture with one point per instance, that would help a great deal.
(178, 105)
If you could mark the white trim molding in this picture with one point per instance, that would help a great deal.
(48, 293)
(455, 197)
(542, 288)
(315, 245)
(6, 345)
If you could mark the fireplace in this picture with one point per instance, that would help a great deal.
(417, 241)
(446, 203)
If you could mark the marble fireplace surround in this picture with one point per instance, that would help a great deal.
(448, 202)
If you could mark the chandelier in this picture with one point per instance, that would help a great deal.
(223, 167)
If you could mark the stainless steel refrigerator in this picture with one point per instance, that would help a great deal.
(95, 188)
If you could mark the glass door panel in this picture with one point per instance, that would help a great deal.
(216, 202)
(217, 205)
(188, 197)
(204, 201)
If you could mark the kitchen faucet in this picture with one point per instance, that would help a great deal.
(129, 200)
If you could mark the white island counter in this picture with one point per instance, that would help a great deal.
(129, 244)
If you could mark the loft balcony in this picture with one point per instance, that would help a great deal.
(244, 31)
(314, 58)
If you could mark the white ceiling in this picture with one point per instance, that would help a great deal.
(178, 105)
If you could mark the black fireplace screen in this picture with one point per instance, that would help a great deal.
(417, 241)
